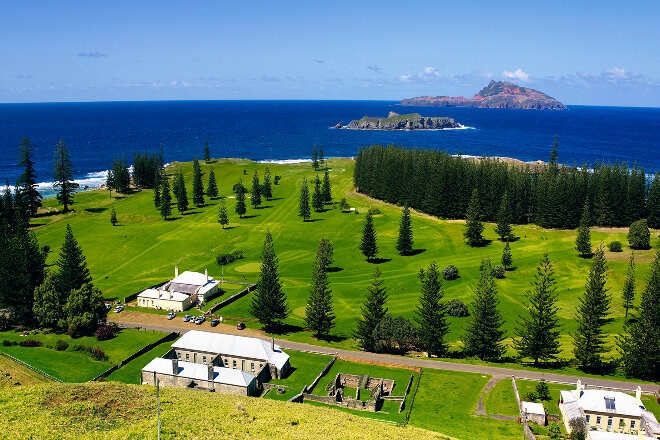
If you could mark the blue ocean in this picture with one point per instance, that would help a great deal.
(98, 132)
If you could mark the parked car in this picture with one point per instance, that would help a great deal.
(240, 326)
(215, 322)
(186, 318)
(199, 320)
(171, 315)
(119, 308)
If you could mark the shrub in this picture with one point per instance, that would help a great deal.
(98, 354)
(223, 259)
(343, 205)
(639, 236)
(7, 343)
(531, 397)
(543, 391)
(104, 332)
(497, 271)
(374, 211)
(457, 308)
(61, 345)
(614, 246)
(31, 343)
(450, 272)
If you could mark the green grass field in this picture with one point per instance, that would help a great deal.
(75, 366)
(143, 250)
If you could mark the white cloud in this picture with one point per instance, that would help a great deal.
(429, 72)
(518, 74)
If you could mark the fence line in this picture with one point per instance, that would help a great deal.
(30, 367)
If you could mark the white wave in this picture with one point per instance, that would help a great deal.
(285, 161)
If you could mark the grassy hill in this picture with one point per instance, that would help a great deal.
(143, 249)
(118, 411)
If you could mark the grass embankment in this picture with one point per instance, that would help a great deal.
(143, 250)
(74, 366)
(113, 411)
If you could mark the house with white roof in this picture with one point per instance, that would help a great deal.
(172, 373)
(262, 358)
(610, 415)
(180, 293)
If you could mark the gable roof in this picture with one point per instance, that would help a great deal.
(238, 346)
(533, 408)
(163, 294)
(608, 402)
(193, 371)
(191, 282)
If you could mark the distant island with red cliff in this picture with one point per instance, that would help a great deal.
(497, 94)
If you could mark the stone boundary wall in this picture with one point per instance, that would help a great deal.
(233, 298)
(30, 367)
(308, 389)
(412, 399)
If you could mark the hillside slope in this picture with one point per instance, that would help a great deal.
(117, 411)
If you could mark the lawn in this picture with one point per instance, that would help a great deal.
(71, 366)
(304, 369)
(143, 250)
(446, 402)
(130, 372)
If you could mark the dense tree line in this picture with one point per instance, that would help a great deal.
(549, 195)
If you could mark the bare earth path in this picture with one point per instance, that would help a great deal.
(160, 323)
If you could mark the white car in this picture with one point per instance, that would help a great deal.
(118, 309)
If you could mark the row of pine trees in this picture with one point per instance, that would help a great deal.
(549, 195)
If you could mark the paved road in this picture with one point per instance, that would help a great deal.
(160, 323)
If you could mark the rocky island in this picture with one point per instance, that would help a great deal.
(395, 121)
(497, 94)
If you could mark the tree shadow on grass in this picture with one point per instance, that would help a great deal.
(331, 338)
(334, 269)
(483, 243)
(249, 216)
(379, 260)
(414, 252)
(285, 329)
(227, 228)
(95, 210)
(314, 220)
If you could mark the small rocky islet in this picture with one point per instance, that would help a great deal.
(395, 121)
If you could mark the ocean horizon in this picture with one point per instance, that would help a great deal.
(266, 131)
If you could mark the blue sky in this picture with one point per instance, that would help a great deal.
(580, 52)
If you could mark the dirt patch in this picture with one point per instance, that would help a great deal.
(380, 364)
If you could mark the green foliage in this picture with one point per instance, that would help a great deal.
(614, 246)
(583, 240)
(197, 186)
(324, 253)
(653, 203)
(555, 430)
(319, 314)
(538, 333)
(404, 242)
(73, 271)
(212, 186)
(450, 272)
(61, 345)
(303, 204)
(48, 303)
(147, 170)
(507, 258)
(394, 335)
(628, 294)
(27, 194)
(368, 245)
(483, 335)
(119, 178)
(344, 205)
(432, 312)
(255, 197)
(113, 216)
(373, 311)
(327, 189)
(224, 259)
(317, 196)
(269, 303)
(240, 191)
(640, 344)
(207, 153)
(84, 310)
(592, 315)
(267, 188)
(639, 236)
(63, 173)
(498, 271)
(315, 158)
(104, 332)
(543, 391)
(165, 199)
(180, 193)
(474, 228)
(578, 427)
(457, 308)
(223, 218)
(504, 219)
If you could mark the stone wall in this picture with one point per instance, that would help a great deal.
(170, 380)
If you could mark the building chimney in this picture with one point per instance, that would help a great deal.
(272, 344)
(206, 272)
(579, 385)
(638, 393)
(175, 366)
(176, 271)
(211, 372)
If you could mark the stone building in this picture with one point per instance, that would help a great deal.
(181, 292)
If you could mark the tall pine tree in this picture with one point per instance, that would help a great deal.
(373, 312)
(507, 258)
(628, 293)
(207, 153)
(327, 190)
(432, 312)
(63, 172)
(26, 184)
(592, 315)
(240, 208)
(483, 335)
(255, 198)
(267, 187)
(165, 198)
(303, 204)
(269, 304)
(368, 245)
(223, 219)
(640, 345)
(538, 333)
(317, 195)
(198, 186)
(212, 187)
(474, 228)
(583, 239)
(404, 242)
(504, 219)
(73, 271)
(319, 315)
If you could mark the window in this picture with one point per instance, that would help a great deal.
(226, 363)
(587, 418)
(632, 424)
(609, 423)
(178, 356)
(187, 357)
(252, 366)
(204, 360)
(233, 363)
(598, 420)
